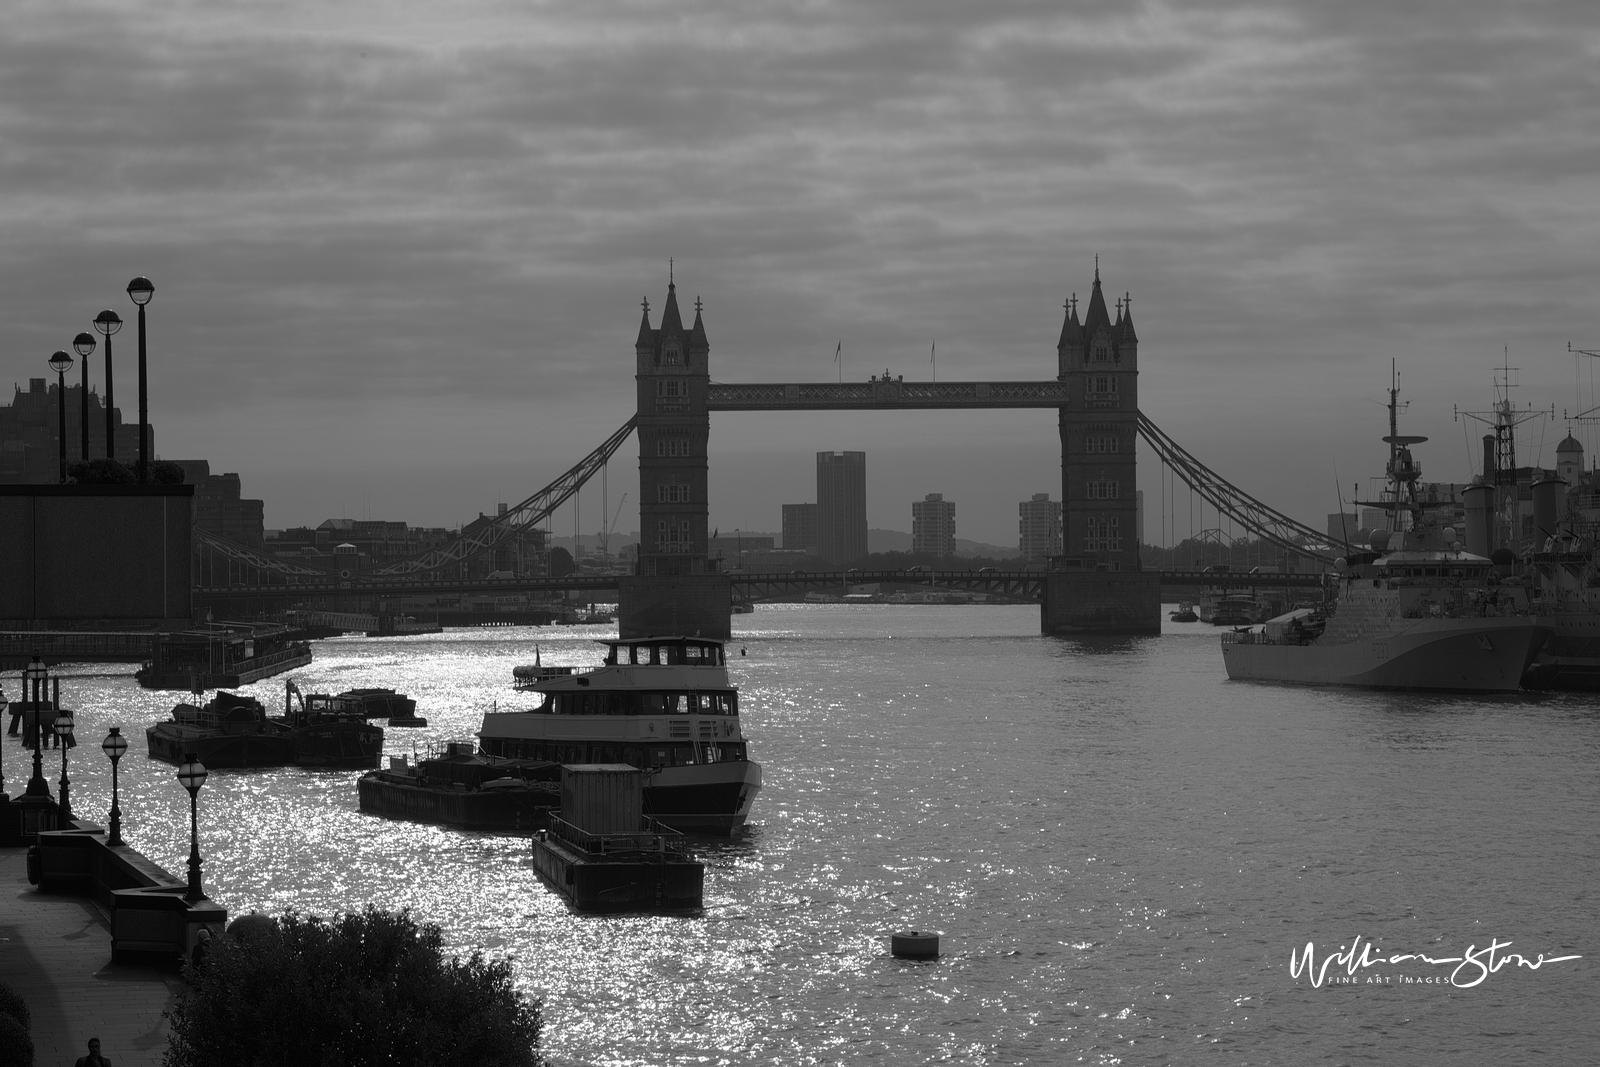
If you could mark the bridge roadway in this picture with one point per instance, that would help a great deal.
(1019, 585)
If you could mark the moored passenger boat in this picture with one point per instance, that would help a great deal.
(661, 704)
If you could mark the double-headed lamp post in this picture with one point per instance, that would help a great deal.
(140, 291)
(61, 363)
(192, 775)
(63, 726)
(83, 344)
(114, 746)
(107, 323)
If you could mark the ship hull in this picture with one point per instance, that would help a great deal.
(516, 811)
(1467, 655)
(703, 798)
(1570, 659)
(218, 750)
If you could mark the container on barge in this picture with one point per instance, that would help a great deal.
(602, 854)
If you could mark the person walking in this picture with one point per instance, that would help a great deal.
(93, 1059)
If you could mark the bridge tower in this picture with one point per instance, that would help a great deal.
(675, 590)
(1096, 586)
(1099, 360)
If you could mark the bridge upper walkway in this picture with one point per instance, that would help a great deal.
(1014, 584)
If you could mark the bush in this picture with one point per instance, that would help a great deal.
(163, 472)
(101, 472)
(16, 1047)
(373, 988)
(12, 1004)
(115, 472)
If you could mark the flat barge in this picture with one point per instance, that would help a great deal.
(463, 789)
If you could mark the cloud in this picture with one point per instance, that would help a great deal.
(404, 237)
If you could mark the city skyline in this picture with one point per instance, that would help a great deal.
(398, 269)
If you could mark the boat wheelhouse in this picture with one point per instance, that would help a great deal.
(662, 704)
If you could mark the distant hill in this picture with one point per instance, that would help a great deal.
(896, 541)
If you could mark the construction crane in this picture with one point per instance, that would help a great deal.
(605, 531)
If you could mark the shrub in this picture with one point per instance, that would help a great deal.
(373, 988)
(16, 1047)
(12, 1004)
(164, 472)
(101, 472)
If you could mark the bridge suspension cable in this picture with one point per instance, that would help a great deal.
(516, 521)
(1262, 521)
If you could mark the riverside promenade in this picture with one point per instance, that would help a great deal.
(55, 950)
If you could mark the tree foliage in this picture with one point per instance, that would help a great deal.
(362, 989)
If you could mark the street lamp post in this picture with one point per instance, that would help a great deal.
(107, 323)
(34, 680)
(140, 291)
(64, 737)
(83, 344)
(114, 746)
(192, 775)
(61, 363)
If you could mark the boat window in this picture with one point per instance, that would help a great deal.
(691, 652)
(639, 654)
(661, 656)
(663, 703)
(699, 702)
(724, 704)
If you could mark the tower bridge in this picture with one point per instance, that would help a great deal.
(1097, 585)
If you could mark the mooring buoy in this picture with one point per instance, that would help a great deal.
(914, 944)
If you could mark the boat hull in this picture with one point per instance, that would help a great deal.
(1570, 659)
(340, 743)
(220, 750)
(640, 882)
(1471, 655)
(703, 798)
(515, 811)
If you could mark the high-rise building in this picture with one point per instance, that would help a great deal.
(842, 506)
(1342, 525)
(1100, 507)
(1039, 528)
(800, 527)
(933, 525)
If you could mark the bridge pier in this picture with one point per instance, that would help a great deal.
(1101, 602)
(695, 605)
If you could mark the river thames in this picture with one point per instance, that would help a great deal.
(1123, 851)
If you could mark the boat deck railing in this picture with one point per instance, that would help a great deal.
(652, 838)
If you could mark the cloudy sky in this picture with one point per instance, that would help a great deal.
(399, 248)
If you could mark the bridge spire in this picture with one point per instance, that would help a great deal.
(697, 332)
(647, 336)
(1097, 314)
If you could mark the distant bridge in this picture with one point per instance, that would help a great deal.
(1010, 584)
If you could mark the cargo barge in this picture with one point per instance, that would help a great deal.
(463, 789)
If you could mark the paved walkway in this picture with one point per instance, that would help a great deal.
(56, 952)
